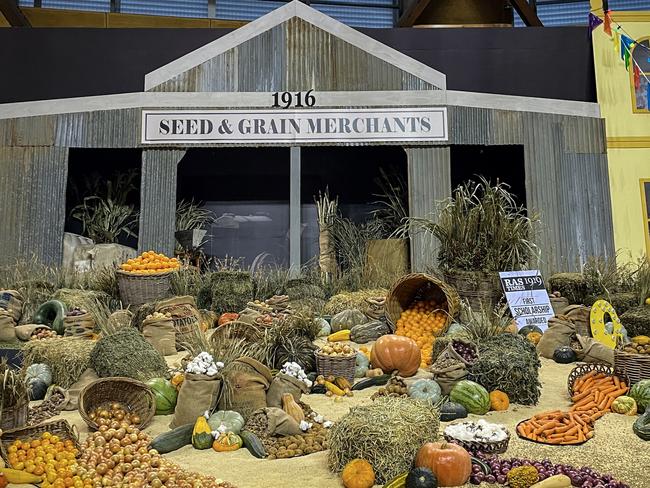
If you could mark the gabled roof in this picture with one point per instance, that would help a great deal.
(294, 47)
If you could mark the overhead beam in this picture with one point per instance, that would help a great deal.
(12, 13)
(412, 12)
(527, 13)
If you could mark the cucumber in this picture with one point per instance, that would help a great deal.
(368, 382)
(253, 444)
(173, 440)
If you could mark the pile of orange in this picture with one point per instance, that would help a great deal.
(423, 321)
(150, 262)
(49, 457)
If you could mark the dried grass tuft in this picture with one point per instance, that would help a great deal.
(67, 357)
(354, 299)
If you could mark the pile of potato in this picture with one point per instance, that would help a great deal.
(337, 349)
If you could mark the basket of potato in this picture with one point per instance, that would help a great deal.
(336, 360)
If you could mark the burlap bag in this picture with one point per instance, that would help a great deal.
(559, 332)
(249, 316)
(281, 423)
(448, 375)
(82, 326)
(74, 391)
(579, 315)
(592, 351)
(450, 353)
(248, 380)
(25, 332)
(185, 315)
(199, 393)
(7, 327)
(12, 302)
(281, 384)
(559, 304)
(161, 334)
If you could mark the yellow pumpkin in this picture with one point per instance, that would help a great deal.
(534, 337)
(499, 400)
(358, 473)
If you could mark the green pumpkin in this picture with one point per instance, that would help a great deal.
(202, 434)
(421, 478)
(230, 420)
(641, 426)
(324, 327)
(472, 396)
(362, 365)
(51, 314)
(641, 394)
(427, 390)
(624, 405)
(347, 319)
(451, 411)
(370, 331)
(165, 394)
(38, 371)
(527, 329)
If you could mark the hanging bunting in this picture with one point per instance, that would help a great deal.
(594, 21)
(608, 23)
(626, 49)
(637, 77)
(616, 38)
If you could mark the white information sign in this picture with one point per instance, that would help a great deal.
(527, 298)
(294, 126)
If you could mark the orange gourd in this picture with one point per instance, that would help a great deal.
(534, 337)
(3, 481)
(499, 400)
(451, 464)
(358, 473)
(227, 442)
(392, 352)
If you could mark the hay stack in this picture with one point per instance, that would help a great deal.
(386, 433)
(67, 357)
(354, 299)
(231, 291)
(572, 286)
(637, 321)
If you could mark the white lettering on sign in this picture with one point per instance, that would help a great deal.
(294, 126)
(527, 298)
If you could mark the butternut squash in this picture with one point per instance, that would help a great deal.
(290, 406)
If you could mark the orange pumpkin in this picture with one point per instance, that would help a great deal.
(512, 327)
(3, 481)
(227, 317)
(358, 473)
(499, 400)
(392, 352)
(451, 464)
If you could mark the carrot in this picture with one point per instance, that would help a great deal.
(609, 390)
(580, 396)
(619, 392)
(585, 401)
(597, 415)
(590, 434)
(617, 382)
(598, 397)
(521, 430)
(580, 381)
(587, 384)
(549, 426)
(581, 435)
(603, 405)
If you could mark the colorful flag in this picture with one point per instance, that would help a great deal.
(608, 23)
(594, 21)
(626, 49)
(637, 77)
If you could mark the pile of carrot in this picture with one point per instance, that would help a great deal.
(593, 395)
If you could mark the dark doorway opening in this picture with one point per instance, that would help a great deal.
(113, 173)
(247, 190)
(495, 163)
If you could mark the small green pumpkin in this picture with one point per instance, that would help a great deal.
(202, 434)
(427, 390)
(347, 319)
(421, 478)
(324, 327)
(451, 411)
(641, 394)
(564, 355)
(527, 329)
(39, 371)
(228, 419)
(362, 365)
(166, 395)
(370, 331)
(641, 426)
(624, 405)
(51, 314)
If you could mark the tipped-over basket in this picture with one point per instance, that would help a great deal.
(136, 398)
(585, 368)
(634, 366)
(420, 286)
(136, 290)
(59, 428)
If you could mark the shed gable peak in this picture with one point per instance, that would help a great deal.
(294, 47)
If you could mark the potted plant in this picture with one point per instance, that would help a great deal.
(192, 220)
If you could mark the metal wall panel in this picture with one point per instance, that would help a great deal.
(294, 56)
(158, 199)
(429, 182)
(469, 125)
(32, 197)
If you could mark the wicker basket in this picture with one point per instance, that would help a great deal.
(487, 447)
(136, 290)
(635, 366)
(582, 369)
(136, 397)
(60, 428)
(420, 286)
(342, 366)
(14, 417)
(481, 290)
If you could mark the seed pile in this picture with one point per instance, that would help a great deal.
(48, 408)
(396, 387)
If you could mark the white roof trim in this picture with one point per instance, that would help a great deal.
(217, 100)
(277, 17)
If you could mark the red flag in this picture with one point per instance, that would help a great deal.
(607, 26)
(637, 77)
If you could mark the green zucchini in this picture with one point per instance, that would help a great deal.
(253, 444)
(368, 382)
(174, 439)
(52, 314)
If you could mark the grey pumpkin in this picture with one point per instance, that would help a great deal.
(370, 331)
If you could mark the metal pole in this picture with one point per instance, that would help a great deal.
(295, 225)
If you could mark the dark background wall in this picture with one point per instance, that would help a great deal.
(42, 63)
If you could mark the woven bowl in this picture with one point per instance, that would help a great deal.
(498, 447)
(135, 396)
(635, 366)
(582, 369)
(59, 428)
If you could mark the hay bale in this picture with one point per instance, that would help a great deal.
(231, 291)
(126, 353)
(354, 299)
(304, 288)
(67, 357)
(572, 286)
(636, 321)
(97, 303)
(386, 433)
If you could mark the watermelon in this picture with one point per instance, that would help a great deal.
(624, 405)
(641, 394)
(472, 396)
(165, 394)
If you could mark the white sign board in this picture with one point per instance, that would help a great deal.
(527, 298)
(294, 126)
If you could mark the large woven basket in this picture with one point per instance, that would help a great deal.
(498, 447)
(582, 369)
(420, 286)
(136, 290)
(342, 366)
(635, 366)
(135, 396)
(60, 428)
(14, 417)
(480, 290)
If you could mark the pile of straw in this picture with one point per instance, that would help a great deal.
(386, 433)
(97, 303)
(67, 357)
(354, 299)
